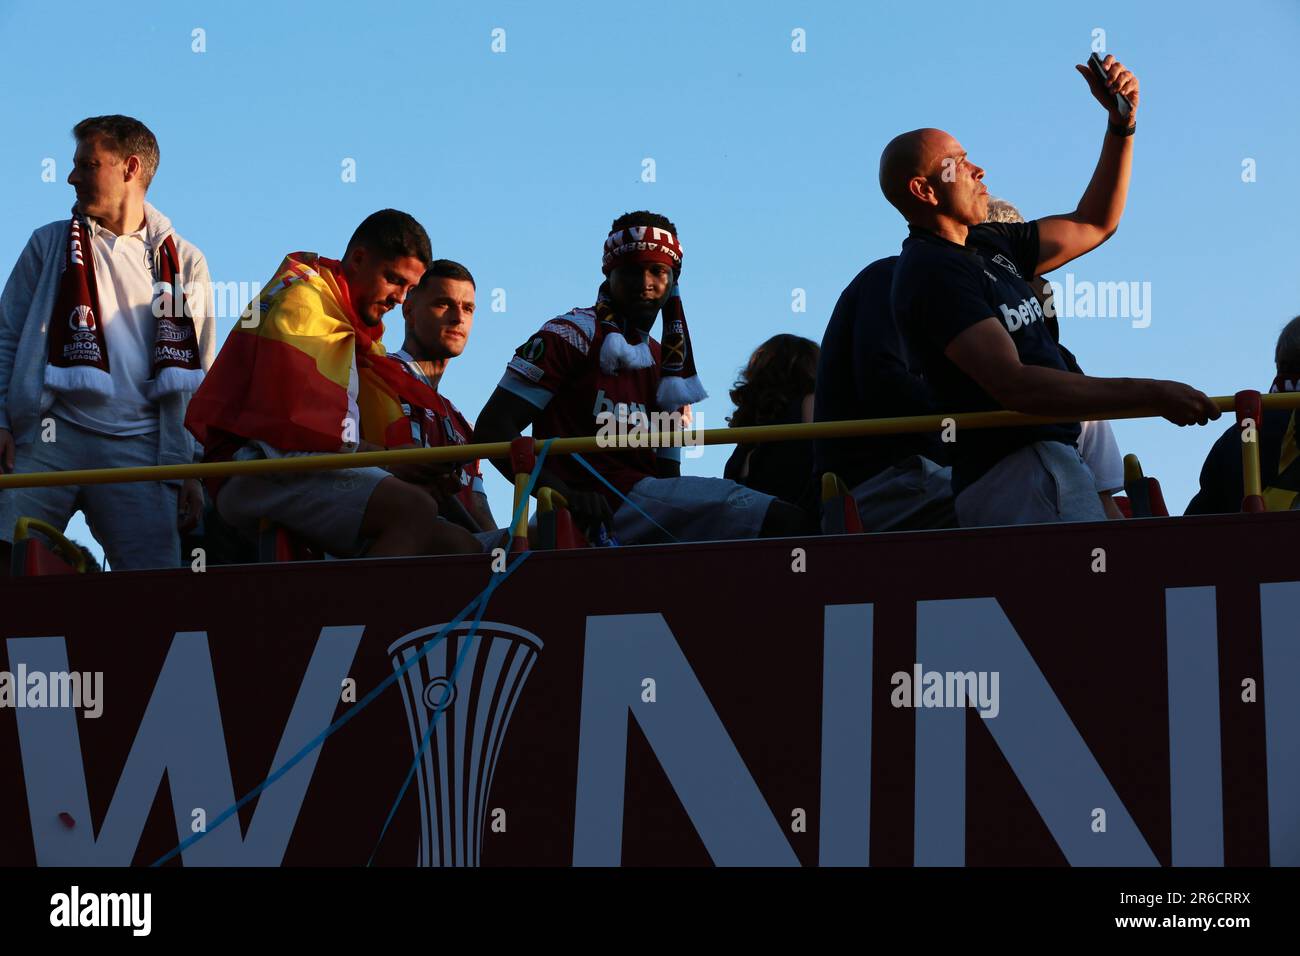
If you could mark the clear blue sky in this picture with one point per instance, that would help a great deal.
(765, 158)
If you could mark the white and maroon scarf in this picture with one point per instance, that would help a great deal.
(1286, 382)
(78, 351)
(679, 384)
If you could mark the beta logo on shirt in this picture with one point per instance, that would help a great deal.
(1029, 311)
(625, 412)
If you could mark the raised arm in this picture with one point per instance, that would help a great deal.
(1070, 235)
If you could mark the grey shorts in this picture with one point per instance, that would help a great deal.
(323, 507)
(1043, 482)
(692, 508)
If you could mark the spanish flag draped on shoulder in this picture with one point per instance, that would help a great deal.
(284, 379)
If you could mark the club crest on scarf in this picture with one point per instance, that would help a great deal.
(77, 352)
(673, 356)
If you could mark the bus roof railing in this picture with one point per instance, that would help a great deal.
(589, 443)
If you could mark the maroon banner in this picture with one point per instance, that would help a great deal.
(1086, 695)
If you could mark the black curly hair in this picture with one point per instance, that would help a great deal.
(643, 217)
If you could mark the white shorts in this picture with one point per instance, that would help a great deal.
(1041, 482)
(691, 508)
(1100, 452)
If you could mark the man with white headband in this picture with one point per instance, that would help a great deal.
(595, 367)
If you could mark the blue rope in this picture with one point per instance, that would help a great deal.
(477, 604)
(630, 503)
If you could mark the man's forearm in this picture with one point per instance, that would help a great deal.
(1049, 391)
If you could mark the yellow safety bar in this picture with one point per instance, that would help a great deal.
(1132, 469)
(589, 443)
(833, 487)
(520, 530)
(548, 499)
(1250, 471)
(74, 555)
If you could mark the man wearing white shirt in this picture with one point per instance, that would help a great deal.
(100, 353)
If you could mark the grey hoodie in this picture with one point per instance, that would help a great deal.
(25, 309)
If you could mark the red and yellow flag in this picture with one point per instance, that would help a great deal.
(284, 378)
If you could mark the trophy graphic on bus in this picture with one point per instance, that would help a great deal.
(455, 772)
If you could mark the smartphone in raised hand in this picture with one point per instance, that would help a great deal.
(1121, 102)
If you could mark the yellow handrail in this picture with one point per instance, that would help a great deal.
(520, 530)
(548, 499)
(1250, 420)
(1250, 471)
(74, 555)
(833, 487)
(1132, 468)
(589, 443)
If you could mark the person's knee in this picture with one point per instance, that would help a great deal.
(407, 516)
(448, 538)
(398, 507)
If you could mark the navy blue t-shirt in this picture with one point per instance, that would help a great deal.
(866, 371)
(941, 289)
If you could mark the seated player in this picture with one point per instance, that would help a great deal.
(306, 373)
(439, 315)
(602, 359)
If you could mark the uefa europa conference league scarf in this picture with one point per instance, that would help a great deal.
(78, 351)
